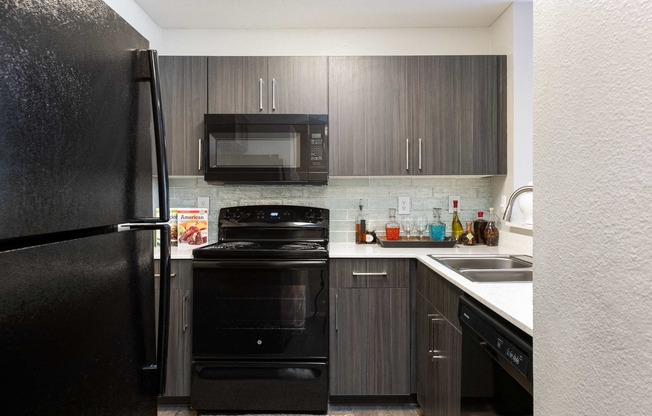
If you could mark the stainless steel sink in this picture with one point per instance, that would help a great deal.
(498, 275)
(492, 262)
(490, 269)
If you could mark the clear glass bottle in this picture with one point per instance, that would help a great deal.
(478, 228)
(360, 226)
(468, 238)
(491, 233)
(456, 226)
(392, 228)
(437, 228)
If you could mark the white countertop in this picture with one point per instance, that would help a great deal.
(511, 300)
(178, 253)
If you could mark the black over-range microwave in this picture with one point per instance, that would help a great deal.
(266, 148)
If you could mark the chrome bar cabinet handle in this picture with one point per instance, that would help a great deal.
(273, 94)
(199, 156)
(260, 94)
(407, 154)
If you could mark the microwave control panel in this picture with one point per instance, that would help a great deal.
(318, 150)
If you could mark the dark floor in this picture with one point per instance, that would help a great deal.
(332, 411)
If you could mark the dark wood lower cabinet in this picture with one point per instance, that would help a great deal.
(370, 327)
(438, 345)
(179, 360)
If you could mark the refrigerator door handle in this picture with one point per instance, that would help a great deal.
(151, 74)
(159, 135)
(156, 371)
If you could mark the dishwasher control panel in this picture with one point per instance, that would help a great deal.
(497, 338)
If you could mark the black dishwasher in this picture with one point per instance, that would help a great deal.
(496, 363)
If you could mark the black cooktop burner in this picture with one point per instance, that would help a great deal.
(238, 245)
(269, 231)
(301, 245)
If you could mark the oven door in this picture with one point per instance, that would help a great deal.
(267, 151)
(261, 309)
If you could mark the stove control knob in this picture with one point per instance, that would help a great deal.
(310, 216)
(237, 215)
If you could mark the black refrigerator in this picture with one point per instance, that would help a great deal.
(81, 137)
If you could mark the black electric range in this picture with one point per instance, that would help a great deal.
(260, 312)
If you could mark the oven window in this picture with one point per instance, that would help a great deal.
(260, 312)
(255, 146)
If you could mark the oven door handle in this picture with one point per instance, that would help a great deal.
(260, 264)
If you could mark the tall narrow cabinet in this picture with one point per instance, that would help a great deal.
(184, 101)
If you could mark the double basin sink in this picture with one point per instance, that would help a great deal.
(490, 269)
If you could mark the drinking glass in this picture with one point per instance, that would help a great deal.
(407, 225)
(421, 225)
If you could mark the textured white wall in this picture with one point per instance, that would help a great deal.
(593, 175)
(511, 35)
(323, 42)
(139, 20)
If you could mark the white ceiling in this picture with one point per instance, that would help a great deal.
(297, 14)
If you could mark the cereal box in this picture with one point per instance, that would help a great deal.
(192, 226)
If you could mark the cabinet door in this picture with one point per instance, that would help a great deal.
(297, 85)
(179, 360)
(237, 84)
(489, 140)
(367, 115)
(457, 110)
(446, 369)
(183, 95)
(422, 351)
(388, 371)
(185, 335)
(349, 341)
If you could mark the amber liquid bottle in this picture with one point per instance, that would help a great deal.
(468, 238)
(456, 226)
(491, 233)
(360, 226)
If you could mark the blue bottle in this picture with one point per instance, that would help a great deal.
(437, 228)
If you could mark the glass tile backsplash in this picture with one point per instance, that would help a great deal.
(341, 196)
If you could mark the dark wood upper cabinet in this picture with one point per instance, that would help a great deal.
(255, 84)
(184, 101)
(367, 115)
(420, 115)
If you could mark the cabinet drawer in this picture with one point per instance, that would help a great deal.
(181, 274)
(440, 293)
(370, 273)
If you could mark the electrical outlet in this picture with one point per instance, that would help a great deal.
(404, 205)
(450, 203)
(503, 201)
(203, 202)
